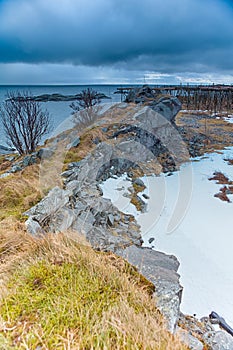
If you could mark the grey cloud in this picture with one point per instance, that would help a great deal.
(161, 35)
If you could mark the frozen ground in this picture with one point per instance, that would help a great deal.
(229, 119)
(202, 241)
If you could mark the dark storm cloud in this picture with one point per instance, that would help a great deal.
(161, 35)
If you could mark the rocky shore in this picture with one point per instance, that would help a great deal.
(144, 139)
(80, 207)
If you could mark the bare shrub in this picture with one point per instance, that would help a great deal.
(86, 99)
(24, 121)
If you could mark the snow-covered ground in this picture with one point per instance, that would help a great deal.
(202, 241)
(229, 119)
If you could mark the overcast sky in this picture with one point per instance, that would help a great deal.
(116, 41)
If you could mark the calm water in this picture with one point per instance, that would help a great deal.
(59, 110)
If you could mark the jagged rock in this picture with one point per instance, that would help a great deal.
(139, 182)
(110, 220)
(168, 107)
(192, 342)
(45, 153)
(161, 270)
(218, 340)
(73, 165)
(28, 160)
(34, 227)
(140, 94)
(65, 219)
(56, 199)
(79, 206)
(15, 168)
(195, 326)
(132, 95)
(81, 209)
(22, 164)
(75, 143)
(204, 330)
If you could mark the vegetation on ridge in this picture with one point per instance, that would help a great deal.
(57, 292)
(62, 294)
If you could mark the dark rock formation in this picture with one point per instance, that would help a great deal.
(141, 94)
(168, 106)
(58, 97)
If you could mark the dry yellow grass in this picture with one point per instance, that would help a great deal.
(57, 292)
(217, 131)
(19, 192)
(62, 294)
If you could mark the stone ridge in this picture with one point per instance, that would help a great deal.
(80, 207)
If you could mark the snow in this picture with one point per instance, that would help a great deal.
(229, 119)
(202, 236)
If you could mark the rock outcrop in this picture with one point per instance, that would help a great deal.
(161, 270)
(199, 333)
(168, 106)
(58, 97)
(80, 207)
(30, 159)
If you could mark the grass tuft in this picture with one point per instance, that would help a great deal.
(64, 295)
(19, 192)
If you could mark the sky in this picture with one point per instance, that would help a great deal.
(116, 41)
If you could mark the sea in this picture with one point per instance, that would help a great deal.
(59, 111)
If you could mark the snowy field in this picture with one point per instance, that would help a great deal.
(203, 238)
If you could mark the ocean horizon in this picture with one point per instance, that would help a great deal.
(61, 110)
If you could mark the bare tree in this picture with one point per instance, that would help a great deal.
(24, 121)
(88, 98)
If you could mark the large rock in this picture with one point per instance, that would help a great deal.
(141, 94)
(82, 209)
(161, 270)
(167, 106)
(55, 200)
(45, 153)
(192, 342)
(219, 340)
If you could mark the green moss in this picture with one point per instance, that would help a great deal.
(15, 204)
(53, 299)
(71, 156)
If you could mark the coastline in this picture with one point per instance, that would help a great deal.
(200, 237)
